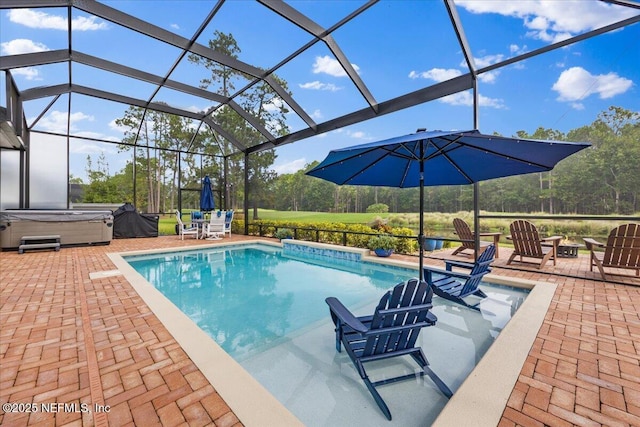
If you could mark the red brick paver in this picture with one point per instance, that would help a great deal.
(66, 339)
(89, 344)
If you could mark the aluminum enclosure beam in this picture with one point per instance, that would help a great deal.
(42, 92)
(412, 99)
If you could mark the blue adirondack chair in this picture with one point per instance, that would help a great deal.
(390, 332)
(455, 286)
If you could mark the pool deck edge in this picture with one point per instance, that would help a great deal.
(249, 400)
(482, 398)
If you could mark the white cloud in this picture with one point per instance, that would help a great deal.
(436, 74)
(317, 85)
(518, 50)
(487, 60)
(440, 75)
(175, 26)
(86, 147)
(466, 99)
(33, 19)
(461, 98)
(275, 105)
(291, 167)
(114, 126)
(327, 65)
(29, 73)
(56, 121)
(317, 115)
(489, 77)
(576, 84)
(552, 21)
(20, 46)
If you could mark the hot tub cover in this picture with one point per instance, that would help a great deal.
(128, 222)
(46, 215)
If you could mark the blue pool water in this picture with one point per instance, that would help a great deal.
(247, 297)
(265, 307)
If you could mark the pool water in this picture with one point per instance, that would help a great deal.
(266, 309)
(248, 297)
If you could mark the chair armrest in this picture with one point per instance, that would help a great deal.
(344, 315)
(551, 239)
(429, 270)
(460, 264)
(591, 243)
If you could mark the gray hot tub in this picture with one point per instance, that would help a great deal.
(74, 227)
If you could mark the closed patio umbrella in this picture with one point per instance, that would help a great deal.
(440, 158)
(206, 196)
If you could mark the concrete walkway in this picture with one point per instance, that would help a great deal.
(79, 347)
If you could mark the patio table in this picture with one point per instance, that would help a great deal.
(496, 240)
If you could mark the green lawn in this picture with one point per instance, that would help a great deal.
(436, 224)
(346, 218)
(167, 223)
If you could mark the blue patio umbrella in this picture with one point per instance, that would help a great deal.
(440, 158)
(206, 196)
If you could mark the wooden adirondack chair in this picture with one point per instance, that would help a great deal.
(467, 236)
(528, 244)
(391, 331)
(455, 286)
(622, 250)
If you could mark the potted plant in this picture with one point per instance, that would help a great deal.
(430, 244)
(433, 243)
(383, 245)
(283, 233)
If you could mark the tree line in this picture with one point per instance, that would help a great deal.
(603, 179)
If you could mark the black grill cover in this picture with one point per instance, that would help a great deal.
(127, 222)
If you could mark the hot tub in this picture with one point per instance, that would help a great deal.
(74, 227)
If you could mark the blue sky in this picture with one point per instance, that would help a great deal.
(395, 46)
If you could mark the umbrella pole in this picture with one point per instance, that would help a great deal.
(476, 225)
(421, 215)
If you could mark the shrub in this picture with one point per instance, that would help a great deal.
(380, 224)
(378, 208)
(408, 245)
(399, 220)
(283, 233)
(382, 241)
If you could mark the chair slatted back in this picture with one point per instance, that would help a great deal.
(400, 315)
(480, 268)
(179, 218)
(526, 240)
(623, 247)
(216, 224)
(464, 232)
(228, 215)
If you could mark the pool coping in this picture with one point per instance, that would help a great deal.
(480, 400)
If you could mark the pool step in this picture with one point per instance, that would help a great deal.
(39, 242)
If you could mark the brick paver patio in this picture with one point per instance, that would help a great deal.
(76, 339)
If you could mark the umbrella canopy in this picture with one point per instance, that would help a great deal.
(206, 196)
(440, 158)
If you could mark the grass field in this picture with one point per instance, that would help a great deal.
(167, 223)
(346, 218)
(436, 224)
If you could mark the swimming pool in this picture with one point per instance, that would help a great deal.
(249, 297)
(297, 362)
